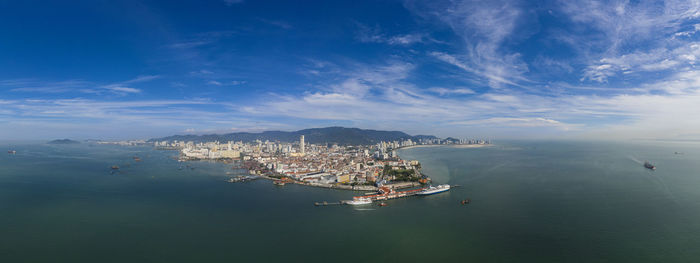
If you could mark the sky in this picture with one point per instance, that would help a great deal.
(103, 69)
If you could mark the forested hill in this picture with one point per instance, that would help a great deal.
(339, 135)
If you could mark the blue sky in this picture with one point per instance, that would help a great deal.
(503, 69)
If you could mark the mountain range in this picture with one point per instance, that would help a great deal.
(330, 135)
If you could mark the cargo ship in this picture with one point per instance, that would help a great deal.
(650, 166)
(434, 189)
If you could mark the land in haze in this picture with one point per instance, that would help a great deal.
(337, 135)
(63, 141)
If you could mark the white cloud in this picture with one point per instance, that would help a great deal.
(661, 59)
(517, 122)
(227, 83)
(494, 77)
(75, 86)
(631, 37)
(446, 91)
(484, 27)
(381, 95)
(124, 89)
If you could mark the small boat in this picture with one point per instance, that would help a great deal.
(278, 182)
(137, 159)
(650, 166)
(382, 204)
(115, 167)
(359, 201)
(466, 201)
(12, 152)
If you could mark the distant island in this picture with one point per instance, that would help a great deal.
(333, 135)
(63, 141)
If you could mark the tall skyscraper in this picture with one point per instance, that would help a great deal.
(301, 144)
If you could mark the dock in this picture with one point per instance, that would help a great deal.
(324, 203)
(386, 193)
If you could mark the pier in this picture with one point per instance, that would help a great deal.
(386, 193)
(324, 203)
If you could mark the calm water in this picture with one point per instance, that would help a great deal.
(531, 202)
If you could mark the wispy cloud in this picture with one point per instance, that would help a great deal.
(446, 91)
(226, 83)
(483, 27)
(214, 82)
(369, 34)
(632, 37)
(88, 118)
(189, 44)
(75, 86)
(277, 23)
(516, 122)
(31, 85)
(119, 89)
(495, 79)
(375, 95)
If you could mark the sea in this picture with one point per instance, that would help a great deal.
(531, 201)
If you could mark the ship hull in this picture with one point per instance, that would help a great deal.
(433, 192)
(359, 202)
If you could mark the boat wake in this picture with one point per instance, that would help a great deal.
(635, 159)
(659, 181)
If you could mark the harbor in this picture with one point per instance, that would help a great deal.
(387, 193)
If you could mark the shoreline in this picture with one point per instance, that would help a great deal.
(446, 145)
(370, 188)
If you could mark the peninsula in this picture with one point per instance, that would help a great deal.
(334, 157)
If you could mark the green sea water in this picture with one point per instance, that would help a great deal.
(531, 202)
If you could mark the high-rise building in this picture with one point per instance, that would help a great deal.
(301, 144)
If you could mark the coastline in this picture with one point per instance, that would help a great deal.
(446, 145)
(370, 188)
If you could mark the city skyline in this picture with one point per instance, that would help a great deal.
(504, 69)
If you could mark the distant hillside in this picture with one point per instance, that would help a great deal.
(339, 135)
(63, 141)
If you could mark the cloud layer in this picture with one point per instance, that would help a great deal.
(569, 69)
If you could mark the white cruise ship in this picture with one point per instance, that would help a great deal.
(359, 201)
(435, 189)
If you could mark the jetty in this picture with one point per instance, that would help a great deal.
(386, 193)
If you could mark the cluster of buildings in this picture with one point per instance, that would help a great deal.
(121, 143)
(334, 164)
(315, 163)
